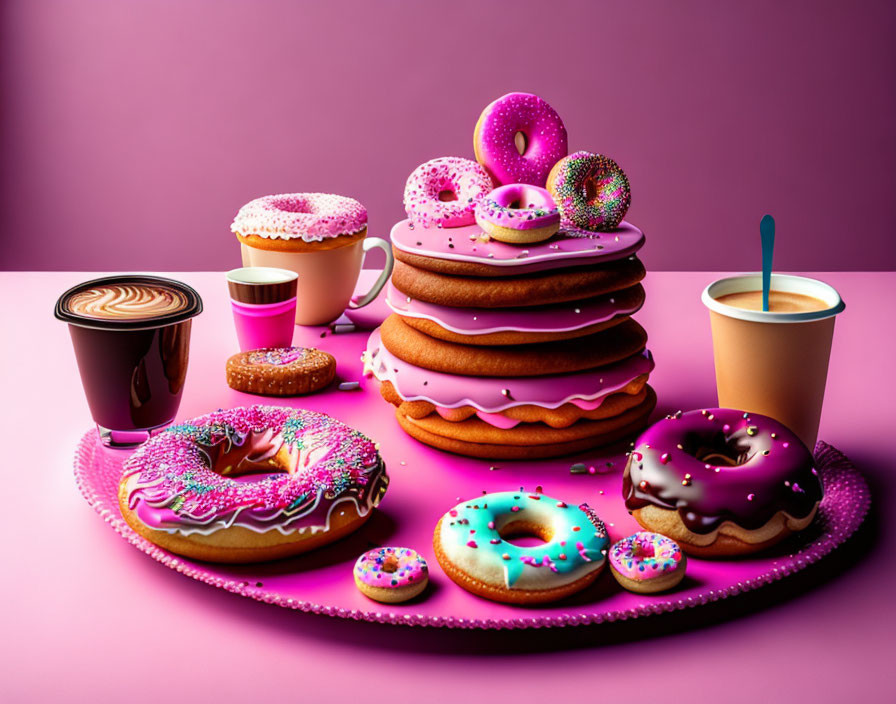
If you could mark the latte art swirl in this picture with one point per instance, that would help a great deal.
(127, 302)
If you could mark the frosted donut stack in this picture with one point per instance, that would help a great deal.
(486, 273)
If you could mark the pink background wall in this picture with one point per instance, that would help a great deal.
(133, 131)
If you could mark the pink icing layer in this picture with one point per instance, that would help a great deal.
(493, 394)
(311, 217)
(495, 419)
(561, 317)
(172, 485)
(546, 140)
(566, 248)
(645, 555)
(518, 206)
(391, 568)
(462, 181)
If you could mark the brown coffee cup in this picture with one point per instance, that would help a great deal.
(775, 362)
(131, 335)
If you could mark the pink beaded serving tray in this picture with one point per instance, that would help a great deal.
(426, 482)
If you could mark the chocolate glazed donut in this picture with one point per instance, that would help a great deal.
(721, 481)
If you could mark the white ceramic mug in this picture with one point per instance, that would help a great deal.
(327, 277)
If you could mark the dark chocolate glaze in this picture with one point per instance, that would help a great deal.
(719, 465)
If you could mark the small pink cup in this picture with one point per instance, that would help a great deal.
(264, 306)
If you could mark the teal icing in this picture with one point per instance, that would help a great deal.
(579, 536)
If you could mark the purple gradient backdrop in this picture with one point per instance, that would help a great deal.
(132, 132)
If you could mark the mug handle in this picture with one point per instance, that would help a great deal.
(370, 243)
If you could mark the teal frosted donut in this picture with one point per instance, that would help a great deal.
(471, 545)
(591, 191)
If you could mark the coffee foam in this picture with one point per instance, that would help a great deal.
(126, 301)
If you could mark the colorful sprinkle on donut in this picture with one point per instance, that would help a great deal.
(311, 217)
(182, 480)
(518, 213)
(496, 134)
(592, 192)
(444, 192)
(391, 574)
(647, 562)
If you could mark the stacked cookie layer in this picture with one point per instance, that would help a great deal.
(500, 351)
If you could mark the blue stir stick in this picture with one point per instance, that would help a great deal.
(767, 235)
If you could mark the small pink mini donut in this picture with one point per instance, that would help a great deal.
(647, 562)
(391, 575)
(444, 192)
(494, 139)
(518, 213)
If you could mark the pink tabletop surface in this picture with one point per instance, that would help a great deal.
(87, 617)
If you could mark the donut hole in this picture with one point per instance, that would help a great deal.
(390, 564)
(718, 449)
(447, 195)
(521, 142)
(248, 457)
(292, 204)
(593, 190)
(643, 549)
(526, 534)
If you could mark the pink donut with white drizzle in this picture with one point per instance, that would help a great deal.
(543, 133)
(251, 484)
(646, 563)
(518, 213)
(444, 192)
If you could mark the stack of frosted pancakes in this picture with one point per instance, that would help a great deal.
(502, 352)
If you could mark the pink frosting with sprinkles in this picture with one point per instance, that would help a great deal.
(171, 484)
(566, 248)
(645, 556)
(460, 182)
(311, 217)
(391, 568)
(494, 139)
(277, 356)
(518, 206)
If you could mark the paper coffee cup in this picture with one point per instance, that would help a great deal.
(263, 300)
(773, 363)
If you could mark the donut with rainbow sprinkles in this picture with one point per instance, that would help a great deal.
(251, 484)
(646, 563)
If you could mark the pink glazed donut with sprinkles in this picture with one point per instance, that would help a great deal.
(251, 484)
(519, 214)
(391, 575)
(518, 138)
(591, 191)
(444, 192)
(646, 563)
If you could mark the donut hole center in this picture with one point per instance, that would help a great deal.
(292, 205)
(521, 142)
(718, 449)
(390, 564)
(250, 457)
(592, 189)
(643, 550)
(447, 195)
(526, 534)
